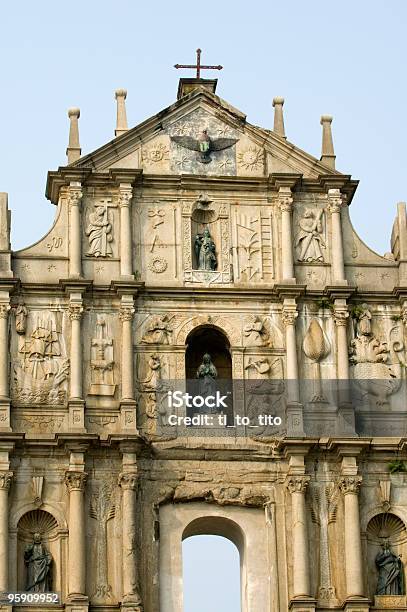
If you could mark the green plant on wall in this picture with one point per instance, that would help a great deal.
(356, 310)
(397, 466)
(324, 302)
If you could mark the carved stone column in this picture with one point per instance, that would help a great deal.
(285, 202)
(297, 486)
(349, 486)
(126, 247)
(5, 483)
(75, 482)
(346, 412)
(75, 237)
(127, 402)
(76, 402)
(294, 407)
(131, 595)
(4, 352)
(335, 203)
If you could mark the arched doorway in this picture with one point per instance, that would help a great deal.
(211, 559)
(203, 341)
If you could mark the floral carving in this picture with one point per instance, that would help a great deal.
(350, 484)
(297, 484)
(158, 265)
(75, 481)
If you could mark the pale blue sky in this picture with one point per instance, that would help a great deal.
(346, 59)
(343, 58)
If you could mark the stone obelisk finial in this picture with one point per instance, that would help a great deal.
(279, 117)
(328, 154)
(121, 121)
(74, 149)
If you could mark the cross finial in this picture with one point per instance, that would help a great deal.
(198, 66)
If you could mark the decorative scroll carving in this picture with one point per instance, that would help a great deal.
(102, 509)
(102, 361)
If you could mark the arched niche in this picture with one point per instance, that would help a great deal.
(53, 537)
(209, 340)
(245, 527)
(384, 527)
(212, 340)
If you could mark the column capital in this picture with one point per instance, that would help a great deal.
(349, 484)
(75, 312)
(126, 313)
(5, 480)
(285, 199)
(75, 481)
(289, 315)
(125, 196)
(341, 315)
(336, 200)
(128, 481)
(75, 194)
(297, 483)
(4, 310)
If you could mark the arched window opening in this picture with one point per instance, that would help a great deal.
(211, 574)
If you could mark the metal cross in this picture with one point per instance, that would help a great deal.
(198, 65)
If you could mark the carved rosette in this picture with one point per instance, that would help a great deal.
(75, 312)
(4, 310)
(75, 481)
(126, 313)
(350, 484)
(289, 315)
(341, 316)
(297, 484)
(74, 196)
(125, 196)
(5, 480)
(128, 481)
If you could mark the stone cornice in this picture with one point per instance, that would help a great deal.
(88, 177)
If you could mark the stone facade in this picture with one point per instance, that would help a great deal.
(97, 314)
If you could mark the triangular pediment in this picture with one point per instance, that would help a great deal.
(167, 144)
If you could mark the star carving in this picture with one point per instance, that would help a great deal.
(155, 153)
